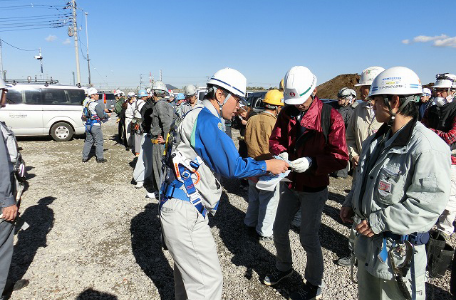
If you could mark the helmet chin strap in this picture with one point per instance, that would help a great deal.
(224, 101)
(393, 115)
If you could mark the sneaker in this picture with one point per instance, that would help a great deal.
(345, 261)
(276, 277)
(139, 184)
(266, 238)
(309, 292)
(101, 161)
(150, 195)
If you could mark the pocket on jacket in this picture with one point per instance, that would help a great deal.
(387, 182)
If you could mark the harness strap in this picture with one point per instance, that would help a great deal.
(173, 190)
(416, 238)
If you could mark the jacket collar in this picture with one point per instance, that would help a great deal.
(404, 135)
(309, 120)
(211, 108)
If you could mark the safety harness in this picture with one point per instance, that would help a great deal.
(91, 118)
(185, 171)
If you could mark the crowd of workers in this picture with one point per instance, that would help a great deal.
(403, 193)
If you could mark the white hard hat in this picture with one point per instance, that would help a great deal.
(396, 81)
(159, 85)
(346, 92)
(299, 84)
(91, 91)
(189, 90)
(118, 92)
(131, 94)
(427, 92)
(445, 81)
(368, 75)
(231, 80)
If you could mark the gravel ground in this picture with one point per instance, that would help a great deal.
(93, 235)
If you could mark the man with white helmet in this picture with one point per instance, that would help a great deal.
(162, 119)
(441, 119)
(119, 109)
(129, 113)
(402, 186)
(191, 190)
(362, 125)
(363, 122)
(137, 120)
(346, 105)
(425, 102)
(312, 136)
(95, 115)
(7, 202)
(191, 100)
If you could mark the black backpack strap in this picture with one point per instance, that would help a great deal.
(326, 120)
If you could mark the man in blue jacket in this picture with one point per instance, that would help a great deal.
(192, 188)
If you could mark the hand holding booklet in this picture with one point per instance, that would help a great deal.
(268, 182)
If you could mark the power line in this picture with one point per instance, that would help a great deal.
(17, 47)
(15, 7)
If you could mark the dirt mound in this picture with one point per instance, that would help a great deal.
(329, 89)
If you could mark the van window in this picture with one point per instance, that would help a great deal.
(54, 97)
(76, 96)
(32, 96)
(13, 97)
(110, 97)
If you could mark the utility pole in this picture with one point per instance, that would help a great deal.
(161, 75)
(76, 48)
(140, 80)
(74, 83)
(88, 59)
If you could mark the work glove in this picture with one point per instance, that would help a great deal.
(301, 165)
(283, 155)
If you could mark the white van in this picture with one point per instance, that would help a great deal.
(38, 109)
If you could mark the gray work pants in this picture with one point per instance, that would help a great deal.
(311, 205)
(6, 251)
(157, 155)
(197, 272)
(138, 138)
(373, 288)
(95, 136)
(262, 209)
(143, 167)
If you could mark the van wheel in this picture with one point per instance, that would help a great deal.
(61, 132)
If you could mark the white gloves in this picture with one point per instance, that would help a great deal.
(301, 165)
(283, 155)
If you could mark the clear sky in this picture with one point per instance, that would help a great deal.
(190, 40)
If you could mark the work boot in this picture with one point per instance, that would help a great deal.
(85, 160)
(309, 292)
(101, 161)
(276, 277)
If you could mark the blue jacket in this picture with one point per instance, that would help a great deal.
(201, 134)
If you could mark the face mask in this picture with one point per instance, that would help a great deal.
(440, 101)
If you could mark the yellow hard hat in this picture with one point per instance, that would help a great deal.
(281, 85)
(274, 97)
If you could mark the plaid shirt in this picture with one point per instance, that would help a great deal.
(449, 137)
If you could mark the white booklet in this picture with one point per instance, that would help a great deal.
(269, 182)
